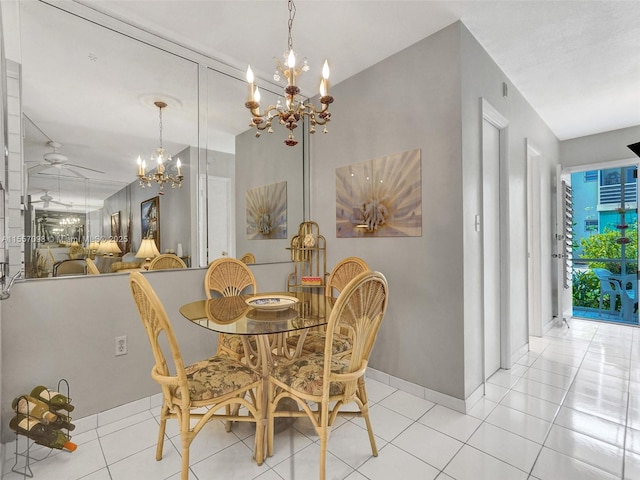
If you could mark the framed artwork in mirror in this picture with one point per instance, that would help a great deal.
(267, 211)
(150, 219)
(115, 228)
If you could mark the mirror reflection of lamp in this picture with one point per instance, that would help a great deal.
(93, 249)
(147, 250)
(108, 248)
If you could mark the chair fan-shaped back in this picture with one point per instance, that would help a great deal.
(360, 309)
(166, 261)
(344, 271)
(228, 277)
(248, 258)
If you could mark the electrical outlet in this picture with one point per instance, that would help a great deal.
(121, 345)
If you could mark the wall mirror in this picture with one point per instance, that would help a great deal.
(88, 96)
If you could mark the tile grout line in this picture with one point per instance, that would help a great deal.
(563, 400)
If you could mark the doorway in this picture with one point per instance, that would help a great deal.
(495, 251)
(605, 243)
(216, 207)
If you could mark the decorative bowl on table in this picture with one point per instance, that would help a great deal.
(272, 315)
(272, 302)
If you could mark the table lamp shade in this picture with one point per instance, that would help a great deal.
(147, 249)
(93, 246)
(109, 247)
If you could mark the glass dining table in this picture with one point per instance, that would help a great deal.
(267, 325)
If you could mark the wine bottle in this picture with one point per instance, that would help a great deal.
(34, 407)
(40, 433)
(63, 422)
(52, 398)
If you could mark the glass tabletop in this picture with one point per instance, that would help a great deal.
(234, 315)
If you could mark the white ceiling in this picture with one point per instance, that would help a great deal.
(576, 62)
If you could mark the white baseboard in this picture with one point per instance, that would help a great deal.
(155, 401)
(448, 401)
(549, 325)
(519, 353)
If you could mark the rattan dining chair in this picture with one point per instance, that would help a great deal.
(344, 271)
(166, 261)
(229, 277)
(248, 258)
(199, 390)
(328, 381)
(92, 269)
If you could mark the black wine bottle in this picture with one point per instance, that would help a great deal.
(52, 398)
(41, 433)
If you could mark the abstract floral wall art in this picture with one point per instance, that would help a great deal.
(267, 211)
(381, 197)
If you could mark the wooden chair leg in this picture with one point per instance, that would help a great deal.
(323, 432)
(228, 425)
(185, 463)
(362, 394)
(186, 436)
(163, 425)
(270, 420)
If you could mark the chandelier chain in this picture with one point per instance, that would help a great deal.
(292, 15)
(160, 115)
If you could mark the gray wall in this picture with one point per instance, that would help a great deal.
(264, 161)
(482, 78)
(410, 100)
(428, 97)
(66, 328)
(603, 147)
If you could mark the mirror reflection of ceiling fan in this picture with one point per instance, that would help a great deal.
(59, 161)
(47, 200)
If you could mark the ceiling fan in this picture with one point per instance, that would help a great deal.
(47, 200)
(58, 160)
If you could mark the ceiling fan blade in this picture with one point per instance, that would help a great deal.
(75, 173)
(86, 168)
(39, 168)
(61, 203)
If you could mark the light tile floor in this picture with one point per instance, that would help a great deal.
(569, 409)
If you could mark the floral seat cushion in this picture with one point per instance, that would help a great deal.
(233, 343)
(305, 374)
(216, 376)
(314, 342)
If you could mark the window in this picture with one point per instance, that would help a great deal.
(591, 176)
(591, 225)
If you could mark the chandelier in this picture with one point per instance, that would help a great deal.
(294, 107)
(162, 158)
(69, 221)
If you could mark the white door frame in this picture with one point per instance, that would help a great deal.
(567, 171)
(534, 241)
(495, 118)
(205, 202)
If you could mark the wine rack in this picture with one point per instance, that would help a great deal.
(26, 454)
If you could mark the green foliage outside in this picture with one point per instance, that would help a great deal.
(604, 245)
(586, 286)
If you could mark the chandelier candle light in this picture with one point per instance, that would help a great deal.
(162, 157)
(294, 107)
